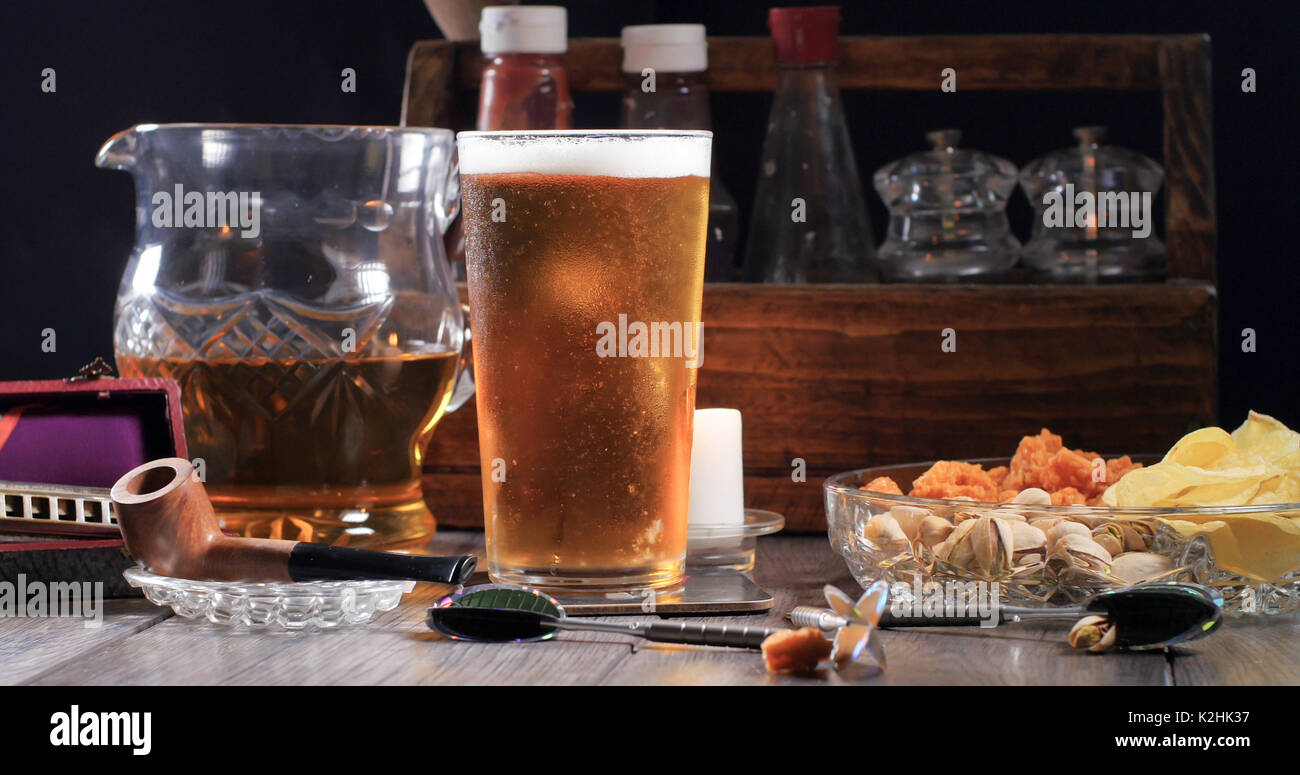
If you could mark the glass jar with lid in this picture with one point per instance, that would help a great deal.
(1094, 212)
(947, 214)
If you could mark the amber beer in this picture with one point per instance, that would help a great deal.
(571, 239)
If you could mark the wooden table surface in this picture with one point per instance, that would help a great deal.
(140, 643)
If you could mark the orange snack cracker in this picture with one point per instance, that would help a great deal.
(883, 484)
(955, 479)
(796, 652)
(1041, 461)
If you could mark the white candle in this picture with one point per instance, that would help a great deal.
(717, 469)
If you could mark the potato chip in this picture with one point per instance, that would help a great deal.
(1279, 489)
(1269, 439)
(1201, 447)
(1261, 547)
(1256, 464)
(1259, 463)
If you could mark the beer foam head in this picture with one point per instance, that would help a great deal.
(615, 154)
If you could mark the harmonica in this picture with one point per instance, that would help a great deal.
(43, 509)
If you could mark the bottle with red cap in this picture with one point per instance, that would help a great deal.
(809, 221)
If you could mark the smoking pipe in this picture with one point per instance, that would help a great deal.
(168, 524)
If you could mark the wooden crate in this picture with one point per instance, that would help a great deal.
(844, 376)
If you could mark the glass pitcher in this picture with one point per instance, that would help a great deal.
(292, 279)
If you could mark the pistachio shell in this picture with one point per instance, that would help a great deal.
(1063, 528)
(1075, 551)
(1087, 632)
(909, 519)
(883, 530)
(934, 530)
(1108, 541)
(984, 548)
(1027, 538)
(1107, 641)
(994, 544)
(953, 549)
(1044, 523)
(1136, 567)
(1137, 536)
(1033, 496)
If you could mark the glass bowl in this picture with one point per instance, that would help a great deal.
(315, 605)
(873, 553)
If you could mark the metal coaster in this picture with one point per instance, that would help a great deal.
(715, 592)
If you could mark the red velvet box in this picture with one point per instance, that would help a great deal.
(63, 444)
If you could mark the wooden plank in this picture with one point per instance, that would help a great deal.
(843, 377)
(1189, 157)
(428, 96)
(927, 658)
(983, 63)
(795, 569)
(30, 647)
(1250, 651)
(141, 644)
(396, 648)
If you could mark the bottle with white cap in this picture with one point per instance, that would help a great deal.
(665, 86)
(524, 82)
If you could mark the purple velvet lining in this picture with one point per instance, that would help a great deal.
(74, 447)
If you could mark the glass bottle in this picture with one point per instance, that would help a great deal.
(947, 213)
(810, 221)
(524, 84)
(665, 86)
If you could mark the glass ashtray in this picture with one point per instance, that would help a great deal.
(729, 547)
(1258, 580)
(291, 606)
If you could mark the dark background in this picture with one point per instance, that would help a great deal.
(66, 228)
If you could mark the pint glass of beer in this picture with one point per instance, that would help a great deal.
(585, 257)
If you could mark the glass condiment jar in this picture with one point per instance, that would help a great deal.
(665, 86)
(947, 213)
(1093, 212)
(809, 221)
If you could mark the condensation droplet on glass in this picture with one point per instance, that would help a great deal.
(375, 215)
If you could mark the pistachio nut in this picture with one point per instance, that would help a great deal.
(883, 530)
(1065, 527)
(909, 519)
(1110, 537)
(982, 546)
(1094, 633)
(1138, 536)
(1073, 550)
(1135, 567)
(1033, 496)
(934, 530)
(1026, 539)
